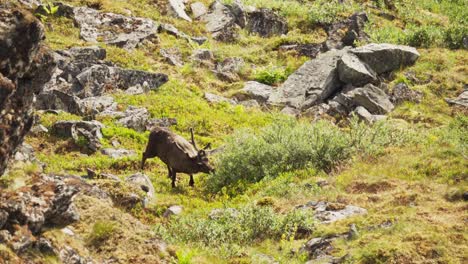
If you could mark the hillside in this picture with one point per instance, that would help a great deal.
(338, 131)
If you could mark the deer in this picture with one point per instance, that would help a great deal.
(179, 155)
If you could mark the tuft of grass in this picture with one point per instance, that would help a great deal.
(102, 230)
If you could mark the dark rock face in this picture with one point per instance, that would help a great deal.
(90, 130)
(25, 65)
(229, 68)
(266, 23)
(309, 50)
(402, 93)
(220, 22)
(370, 97)
(346, 32)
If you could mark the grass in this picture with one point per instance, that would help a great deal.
(398, 181)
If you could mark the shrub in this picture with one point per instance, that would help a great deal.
(291, 145)
(424, 36)
(453, 36)
(271, 75)
(324, 12)
(102, 230)
(233, 227)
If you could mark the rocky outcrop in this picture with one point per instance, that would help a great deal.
(402, 93)
(311, 84)
(173, 56)
(89, 130)
(141, 181)
(216, 99)
(345, 79)
(82, 73)
(229, 69)
(266, 23)
(198, 9)
(25, 65)
(254, 91)
(113, 29)
(135, 118)
(346, 32)
(311, 50)
(326, 212)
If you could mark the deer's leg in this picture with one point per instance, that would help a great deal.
(169, 173)
(143, 159)
(173, 178)
(191, 182)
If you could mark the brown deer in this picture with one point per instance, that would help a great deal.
(177, 153)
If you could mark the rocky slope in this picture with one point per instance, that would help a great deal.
(82, 82)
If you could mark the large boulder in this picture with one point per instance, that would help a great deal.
(95, 105)
(312, 83)
(382, 58)
(25, 65)
(135, 118)
(58, 100)
(142, 182)
(221, 23)
(198, 9)
(266, 23)
(113, 29)
(229, 69)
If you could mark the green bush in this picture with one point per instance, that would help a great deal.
(424, 36)
(271, 75)
(291, 145)
(453, 36)
(237, 227)
(324, 12)
(102, 230)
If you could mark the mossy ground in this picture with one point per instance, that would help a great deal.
(409, 187)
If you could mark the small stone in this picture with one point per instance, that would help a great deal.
(198, 10)
(173, 210)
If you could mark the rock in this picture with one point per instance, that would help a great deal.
(287, 110)
(71, 256)
(319, 247)
(173, 56)
(173, 210)
(93, 175)
(160, 122)
(25, 153)
(311, 84)
(198, 10)
(39, 129)
(402, 93)
(364, 115)
(176, 8)
(90, 130)
(216, 214)
(317, 112)
(216, 99)
(98, 104)
(117, 153)
(249, 103)
(346, 32)
(135, 118)
(353, 71)
(203, 57)
(238, 11)
(266, 23)
(172, 30)
(135, 90)
(199, 40)
(309, 50)
(142, 182)
(82, 73)
(382, 58)
(370, 97)
(58, 100)
(113, 29)
(221, 23)
(229, 68)
(256, 91)
(45, 201)
(326, 212)
(67, 231)
(461, 100)
(31, 3)
(25, 65)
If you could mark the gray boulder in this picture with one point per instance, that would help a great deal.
(256, 91)
(90, 130)
(382, 58)
(311, 84)
(249, 103)
(198, 9)
(238, 11)
(94, 105)
(353, 71)
(113, 29)
(326, 212)
(266, 23)
(91, 54)
(228, 70)
(142, 182)
(160, 122)
(311, 50)
(203, 57)
(461, 100)
(58, 100)
(135, 118)
(370, 97)
(117, 153)
(173, 210)
(176, 8)
(290, 111)
(221, 23)
(346, 32)
(173, 56)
